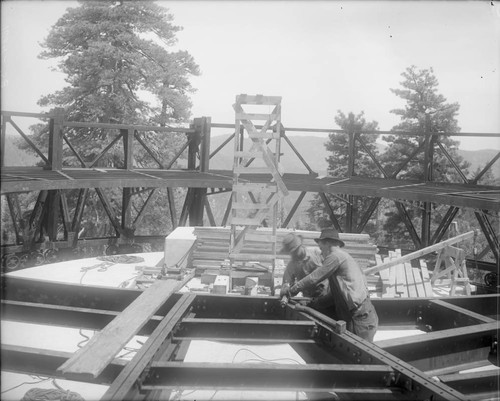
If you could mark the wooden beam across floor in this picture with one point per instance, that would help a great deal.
(101, 349)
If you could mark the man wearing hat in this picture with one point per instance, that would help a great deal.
(304, 260)
(347, 285)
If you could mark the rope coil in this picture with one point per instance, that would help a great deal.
(52, 394)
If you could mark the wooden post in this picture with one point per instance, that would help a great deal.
(128, 164)
(126, 213)
(52, 213)
(128, 148)
(205, 126)
(56, 140)
(201, 137)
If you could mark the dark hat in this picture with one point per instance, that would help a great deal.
(331, 234)
(290, 243)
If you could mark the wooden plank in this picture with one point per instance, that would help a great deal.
(100, 350)
(421, 252)
(391, 290)
(258, 99)
(401, 285)
(419, 284)
(256, 116)
(251, 257)
(426, 279)
(223, 232)
(384, 276)
(245, 221)
(412, 291)
(157, 341)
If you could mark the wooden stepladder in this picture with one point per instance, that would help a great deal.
(257, 176)
(451, 264)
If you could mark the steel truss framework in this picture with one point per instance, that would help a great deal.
(55, 179)
(461, 333)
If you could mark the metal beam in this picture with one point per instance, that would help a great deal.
(67, 316)
(42, 362)
(282, 330)
(487, 382)
(445, 347)
(331, 212)
(31, 290)
(490, 234)
(353, 349)
(264, 376)
(294, 209)
(408, 223)
(486, 305)
(367, 214)
(442, 315)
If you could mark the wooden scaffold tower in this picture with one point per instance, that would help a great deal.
(254, 202)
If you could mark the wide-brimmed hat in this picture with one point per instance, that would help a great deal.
(331, 234)
(290, 243)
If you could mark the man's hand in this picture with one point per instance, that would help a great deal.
(294, 290)
(285, 290)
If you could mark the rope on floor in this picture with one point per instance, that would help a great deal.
(52, 394)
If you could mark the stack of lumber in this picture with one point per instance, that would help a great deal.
(404, 280)
(400, 278)
(211, 248)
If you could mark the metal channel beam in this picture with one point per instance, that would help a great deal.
(485, 305)
(67, 316)
(31, 290)
(264, 376)
(486, 382)
(441, 315)
(283, 330)
(239, 307)
(42, 362)
(444, 348)
(351, 348)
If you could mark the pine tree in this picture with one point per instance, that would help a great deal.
(115, 57)
(338, 144)
(120, 68)
(426, 110)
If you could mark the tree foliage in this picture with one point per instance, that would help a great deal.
(120, 68)
(425, 110)
(110, 52)
(338, 161)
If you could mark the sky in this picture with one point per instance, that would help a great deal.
(320, 56)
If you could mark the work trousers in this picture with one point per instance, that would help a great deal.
(364, 321)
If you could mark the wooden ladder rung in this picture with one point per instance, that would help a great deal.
(256, 116)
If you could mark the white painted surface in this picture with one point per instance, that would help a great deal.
(177, 245)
